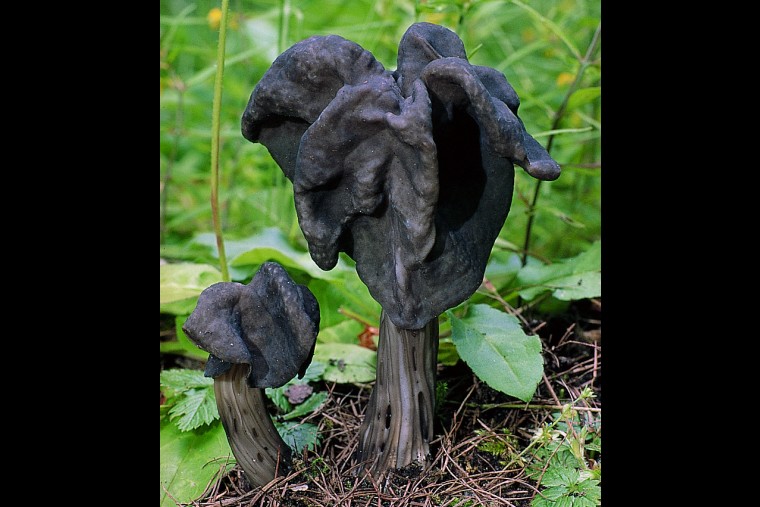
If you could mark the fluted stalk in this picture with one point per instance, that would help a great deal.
(398, 425)
(255, 442)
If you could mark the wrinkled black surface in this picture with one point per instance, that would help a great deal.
(271, 324)
(409, 172)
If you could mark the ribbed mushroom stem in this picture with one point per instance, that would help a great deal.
(255, 442)
(398, 425)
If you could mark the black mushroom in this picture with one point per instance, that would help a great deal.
(411, 174)
(258, 335)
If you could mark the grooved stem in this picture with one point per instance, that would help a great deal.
(398, 426)
(255, 442)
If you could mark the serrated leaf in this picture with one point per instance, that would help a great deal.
(298, 435)
(195, 408)
(190, 460)
(576, 278)
(553, 494)
(181, 284)
(591, 489)
(311, 404)
(497, 350)
(346, 363)
(557, 475)
(182, 379)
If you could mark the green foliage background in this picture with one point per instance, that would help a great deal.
(539, 46)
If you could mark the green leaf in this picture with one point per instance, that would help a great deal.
(558, 475)
(181, 284)
(552, 495)
(576, 278)
(347, 331)
(447, 352)
(348, 292)
(193, 401)
(502, 268)
(346, 363)
(497, 350)
(277, 395)
(583, 96)
(311, 404)
(313, 373)
(298, 435)
(271, 245)
(190, 460)
(182, 379)
(196, 408)
(591, 491)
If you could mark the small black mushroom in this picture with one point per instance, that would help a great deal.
(258, 335)
(411, 174)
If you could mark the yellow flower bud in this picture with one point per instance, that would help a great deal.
(214, 18)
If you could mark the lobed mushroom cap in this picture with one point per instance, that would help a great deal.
(409, 172)
(270, 323)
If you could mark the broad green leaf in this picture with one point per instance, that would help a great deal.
(190, 460)
(347, 331)
(344, 293)
(271, 245)
(583, 96)
(502, 268)
(181, 284)
(576, 278)
(298, 435)
(497, 350)
(346, 362)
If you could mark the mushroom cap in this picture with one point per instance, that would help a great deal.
(270, 324)
(409, 172)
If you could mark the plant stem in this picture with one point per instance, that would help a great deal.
(215, 139)
(398, 426)
(584, 63)
(255, 442)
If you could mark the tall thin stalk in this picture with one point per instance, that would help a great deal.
(215, 139)
(584, 63)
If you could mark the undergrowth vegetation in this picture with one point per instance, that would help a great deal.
(544, 271)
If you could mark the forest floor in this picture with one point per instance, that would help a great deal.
(480, 434)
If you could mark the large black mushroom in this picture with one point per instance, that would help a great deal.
(411, 174)
(258, 335)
